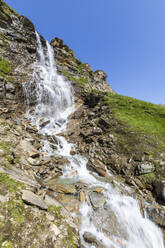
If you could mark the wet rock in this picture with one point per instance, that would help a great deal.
(144, 168)
(109, 223)
(53, 146)
(72, 152)
(70, 202)
(31, 129)
(62, 188)
(98, 190)
(90, 238)
(98, 166)
(43, 124)
(156, 214)
(97, 199)
(33, 199)
(82, 196)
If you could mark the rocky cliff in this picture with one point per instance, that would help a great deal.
(117, 134)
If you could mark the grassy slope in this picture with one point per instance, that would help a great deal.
(144, 130)
(141, 116)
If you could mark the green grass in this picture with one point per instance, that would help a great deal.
(69, 240)
(81, 81)
(56, 211)
(8, 10)
(9, 183)
(7, 244)
(5, 67)
(141, 116)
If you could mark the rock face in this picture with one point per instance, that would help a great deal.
(35, 208)
(76, 71)
(17, 53)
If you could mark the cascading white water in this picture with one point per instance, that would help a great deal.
(50, 92)
(53, 103)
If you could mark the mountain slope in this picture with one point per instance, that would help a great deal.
(117, 134)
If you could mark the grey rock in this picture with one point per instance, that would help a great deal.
(27, 23)
(160, 189)
(10, 96)
(97, 131)
(156, 214)
(20, 176)
(55, 229)
(4, 198)
(34, 162)
(144, 168)
(10, 87)
(97, 200)
(90, 238)
(43, 124)
(33, 199)
(1, 96)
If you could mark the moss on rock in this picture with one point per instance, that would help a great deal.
(5, 67)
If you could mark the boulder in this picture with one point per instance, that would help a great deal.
(144, 168)
(97, 200)
(61, 188)
(33, 199)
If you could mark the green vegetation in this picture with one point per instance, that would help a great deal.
(141, 116)
(81, 81)
(11, 79)
(16, 216)
(7, 244)
(7, 153)
(56, 211)
(17, 211)
(147, 180)
(6, 146)
(69, 241)
(9, 183)
(139, 129)
(8, 10)
(5, 68)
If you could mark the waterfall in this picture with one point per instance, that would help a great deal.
(49, 92)
(50, 101)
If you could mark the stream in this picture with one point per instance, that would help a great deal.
(117, 222)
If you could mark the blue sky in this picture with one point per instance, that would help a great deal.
(125, 38)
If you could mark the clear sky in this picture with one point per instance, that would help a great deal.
(125, 38)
